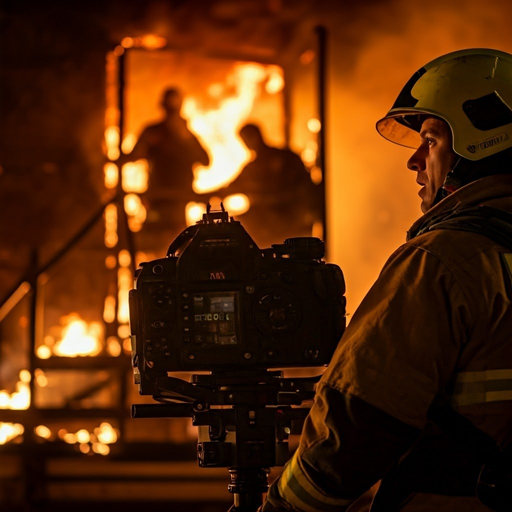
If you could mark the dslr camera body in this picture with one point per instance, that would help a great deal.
(218, 303)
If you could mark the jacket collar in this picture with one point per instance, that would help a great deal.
(477, 192)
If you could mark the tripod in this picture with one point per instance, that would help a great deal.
(244, 421)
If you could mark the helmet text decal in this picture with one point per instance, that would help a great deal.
(488, 143)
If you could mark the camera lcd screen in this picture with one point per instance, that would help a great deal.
(215, 318)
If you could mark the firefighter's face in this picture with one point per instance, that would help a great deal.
(433, 159)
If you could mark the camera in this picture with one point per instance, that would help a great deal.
(219, 303)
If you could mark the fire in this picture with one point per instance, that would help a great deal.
(237, 203)
(111, 237)
(124, 280)
(9, 431)
(79, 338)
(218, 128)
(98, 441)
(112, 142)
(20, 399)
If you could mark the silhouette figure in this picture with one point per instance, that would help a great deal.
(171, 150)
(284, 202)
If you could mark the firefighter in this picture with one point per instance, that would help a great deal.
(418, 396)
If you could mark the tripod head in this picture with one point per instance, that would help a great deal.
(244, 420)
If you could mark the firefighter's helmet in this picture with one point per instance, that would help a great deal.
(471, 90)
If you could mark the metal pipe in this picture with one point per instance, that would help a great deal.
(321, 33)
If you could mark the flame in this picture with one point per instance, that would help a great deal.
(309, 154)
(9, 431)
(194, 212)
(124, 282)
(236, 204)
(109, 310)
(275, 82)
(135, 176)
(218, 128)
(112, 142)
(136, 212)
(111, 173)
(78, 339)
(98, 440)
(149, 41)
(43, 431)
(20, 399)
(111, 237)
(314, 125)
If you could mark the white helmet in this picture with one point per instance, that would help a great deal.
(471, 90)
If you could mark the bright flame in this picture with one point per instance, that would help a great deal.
(236, 204)
(98, 440)
(106, 434)
(275, 81)
(135, 176)
(314, 125)
(128, 143)
(43, 431)
(111, 174)
(9, 431)
(124, 283)
(136, 211)
(194, 212)
(109, 310)
(218, 129)
(44, 352)
(111, 237)
(83, 436)
(100, 448)
(20, 399)
(112, 142)
(79, 338)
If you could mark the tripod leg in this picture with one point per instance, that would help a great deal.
(248, 486)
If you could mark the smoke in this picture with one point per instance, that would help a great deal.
(372, 197)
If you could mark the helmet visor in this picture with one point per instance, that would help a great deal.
(403, 128)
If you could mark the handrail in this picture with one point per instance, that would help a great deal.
(22, 287)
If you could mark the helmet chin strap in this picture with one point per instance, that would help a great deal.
(453, 181)
(465, 171)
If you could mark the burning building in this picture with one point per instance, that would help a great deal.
(79, 86)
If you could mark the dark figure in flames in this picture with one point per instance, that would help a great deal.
(171, 150)
(284, 202)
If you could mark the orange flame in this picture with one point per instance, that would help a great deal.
(218, 128)
(20, 399)
(79, 338)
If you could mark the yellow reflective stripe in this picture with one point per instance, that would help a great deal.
(297, 489)
(473, 388)
(507, 258)
(484, 375)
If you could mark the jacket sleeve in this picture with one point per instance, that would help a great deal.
(397, 353)
(346, 446)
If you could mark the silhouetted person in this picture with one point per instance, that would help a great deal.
(284, 202)
(171, 150)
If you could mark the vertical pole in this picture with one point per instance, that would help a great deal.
(121, 92)
(123, 223)
(321, 33)
(34, 466)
